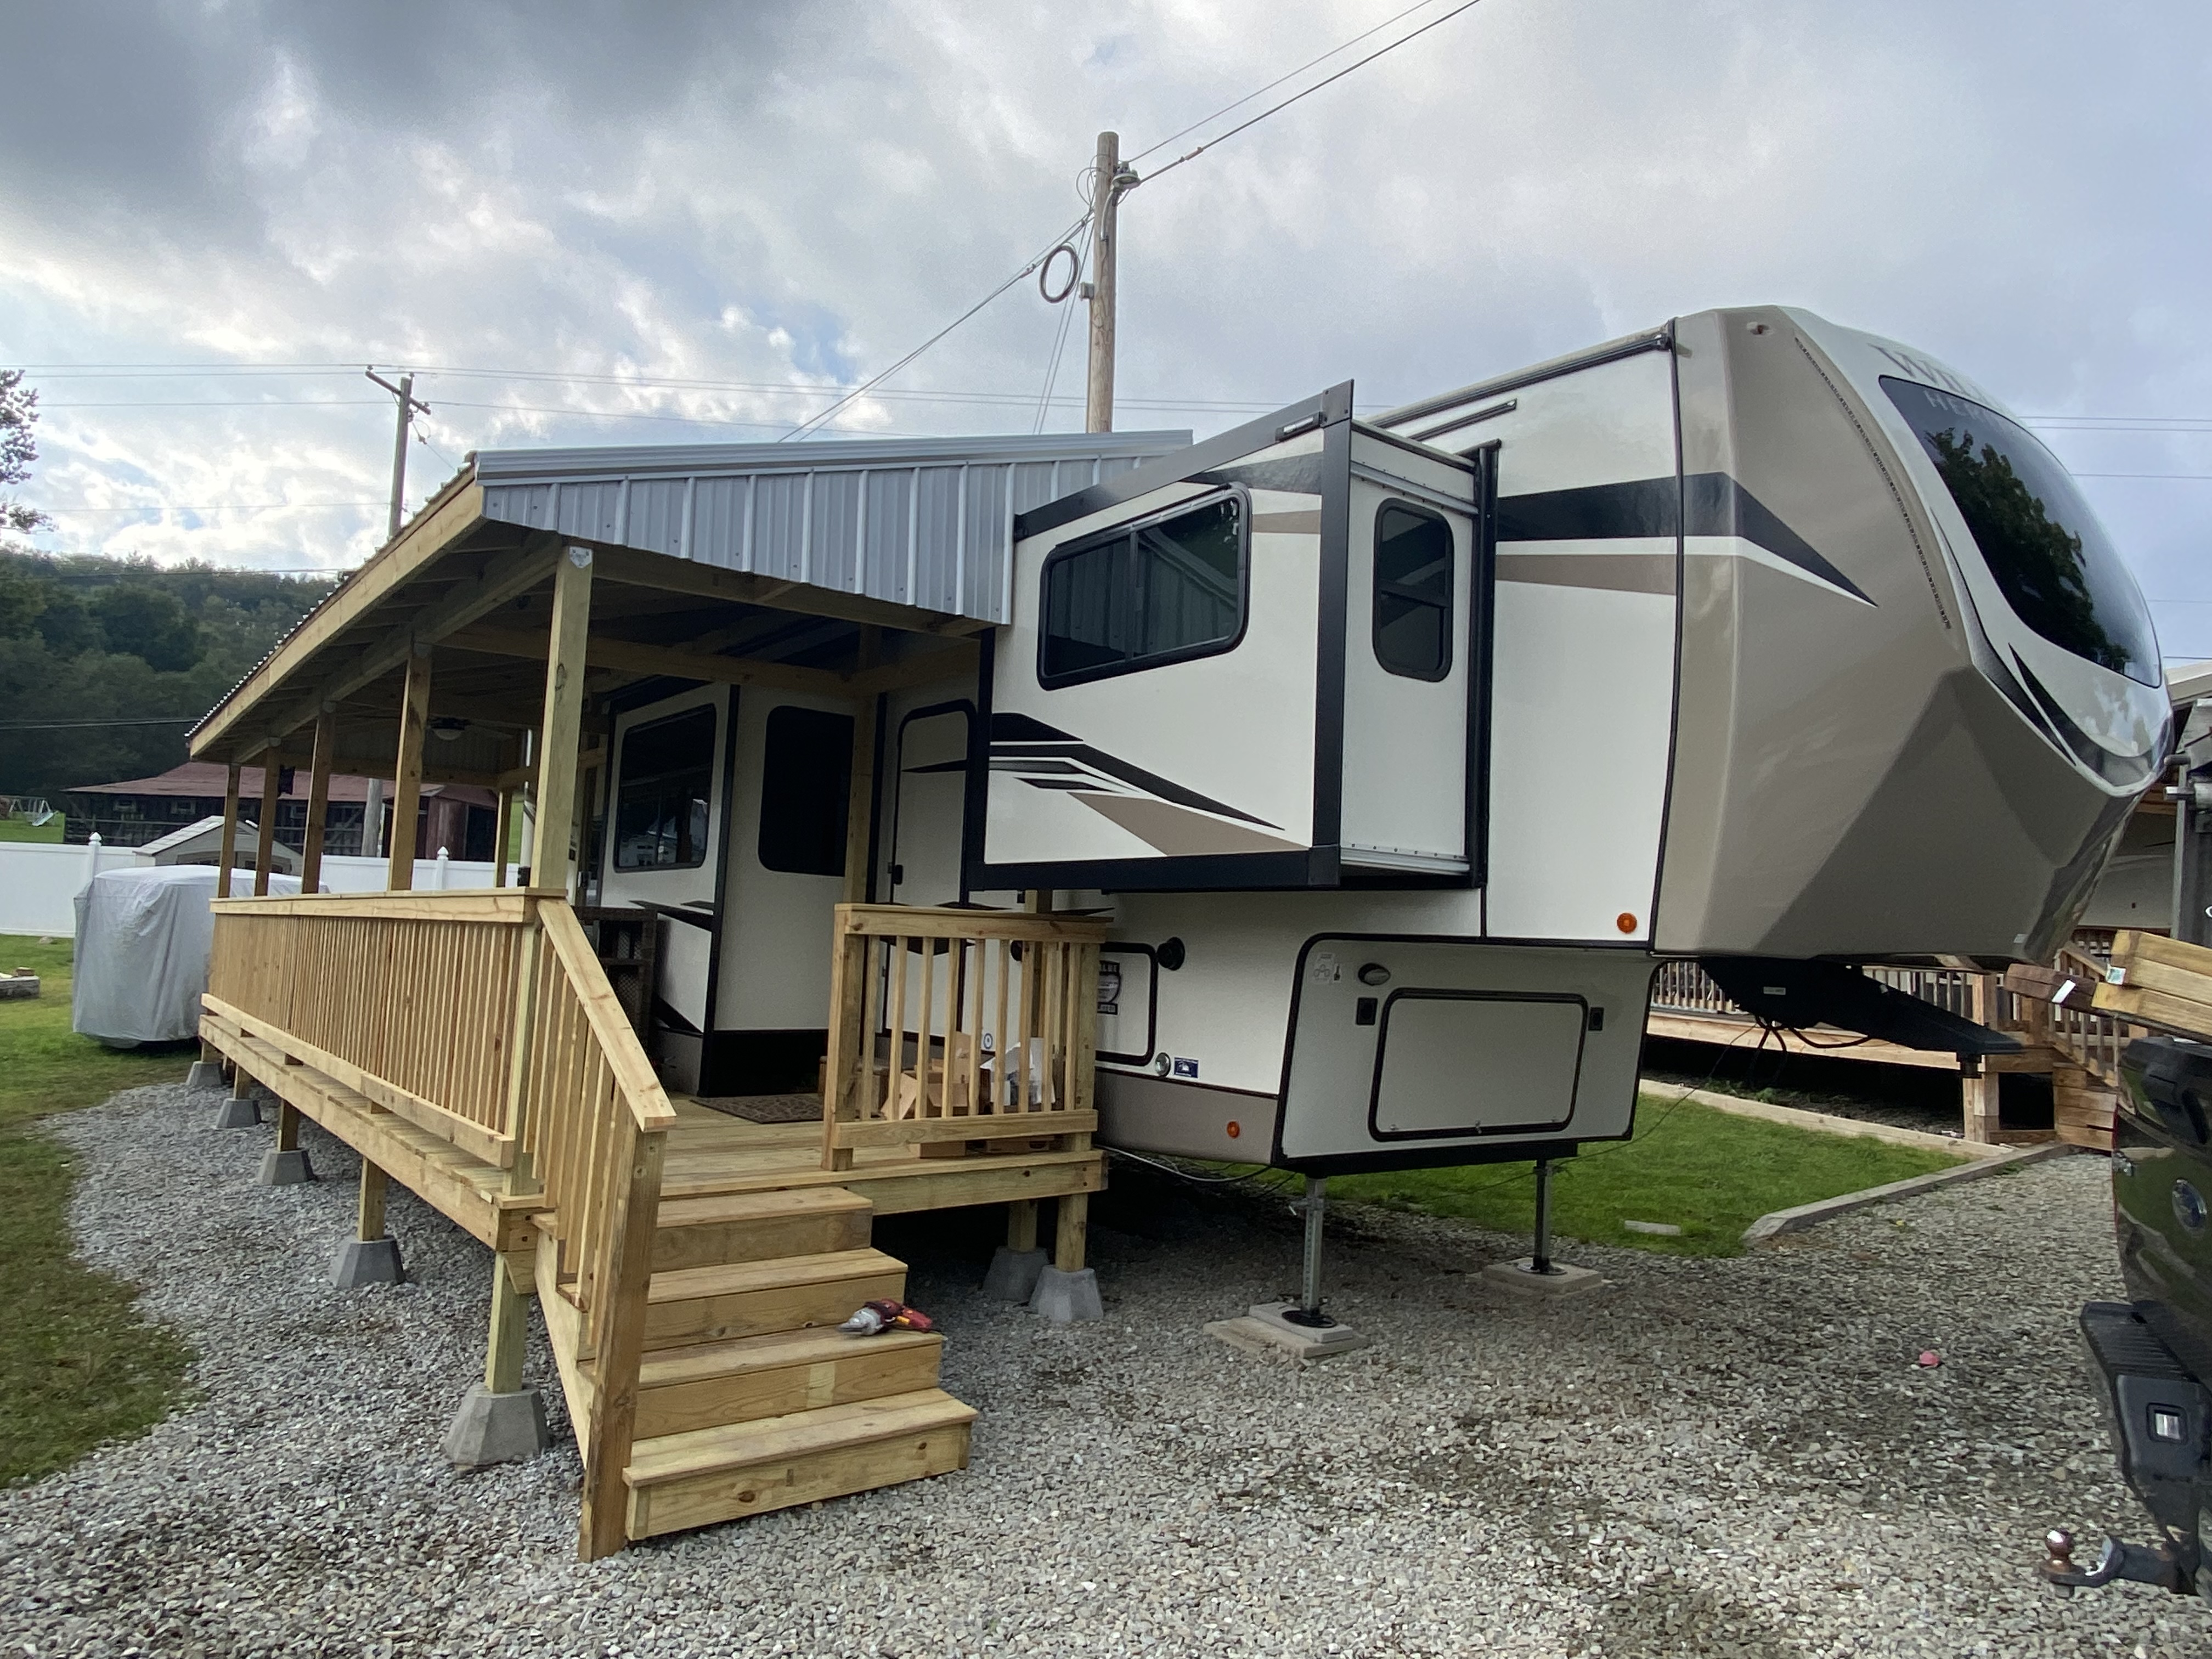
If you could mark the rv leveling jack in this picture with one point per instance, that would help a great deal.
(1299, 1328)
(1537, 1272)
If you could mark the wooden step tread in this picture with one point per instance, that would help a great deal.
(674, 1457)
(721, 1208)
(819, 1345)
(782, 1272)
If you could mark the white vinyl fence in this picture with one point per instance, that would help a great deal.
(40, 881)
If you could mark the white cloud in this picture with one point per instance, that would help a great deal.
(780, 196)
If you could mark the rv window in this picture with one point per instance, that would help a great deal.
(2059, 571)
(806, 780)
(660, 811)
(1413, 592)
(1163, 591)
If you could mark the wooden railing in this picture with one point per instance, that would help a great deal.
(949, 1027)
(408, 998)
(486, 1018)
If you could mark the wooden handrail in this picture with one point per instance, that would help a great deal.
(948, 1026)
(485, 1017)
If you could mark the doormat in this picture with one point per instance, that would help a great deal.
(765, 1108)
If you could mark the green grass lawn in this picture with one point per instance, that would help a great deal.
(1708, 1173)
(24, 829)
(78, 1365)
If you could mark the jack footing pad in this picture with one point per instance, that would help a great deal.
(205, 1074)
(285, 1169)
(367, 1262)
(1268, 1328)
(238, 1112)
(1522, 1276)
(1065, 1298)
(497, 1428)
(1014, 1275)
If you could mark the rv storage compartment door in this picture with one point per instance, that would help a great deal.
(1166, 706)
(1432, 1051)
(1411, 655)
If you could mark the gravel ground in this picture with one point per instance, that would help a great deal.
(1709, 1457)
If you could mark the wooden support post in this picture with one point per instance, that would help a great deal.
(230, 832)
(318, 801)
(288, 1126)
(1022, 1224)
(603, 1526)
(510, 1330)
(500, 832)
(561, 732)
(264, 858)
(368, 1216)
(1979, 1092)
(859, 877)
(1074, 1223)
(407, 785)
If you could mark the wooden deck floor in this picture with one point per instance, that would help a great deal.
(709, 1154)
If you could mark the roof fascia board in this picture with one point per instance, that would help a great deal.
(398, 563)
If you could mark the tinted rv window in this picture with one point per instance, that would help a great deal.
(1413, 592)
(806, 780)
(660, 811)
(2058, 570)
(1161, 592)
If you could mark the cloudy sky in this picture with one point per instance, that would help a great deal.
(667, 223)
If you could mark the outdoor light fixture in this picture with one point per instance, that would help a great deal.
(447, 728)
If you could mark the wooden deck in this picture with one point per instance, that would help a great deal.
(710, 1153)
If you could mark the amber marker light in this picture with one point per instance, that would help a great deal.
(1626, 923)
(1235, 1128)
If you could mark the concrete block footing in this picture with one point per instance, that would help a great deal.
(238, 1112)
(1014, 1273)
(285, 1169)
(1267, 1329)
(1066, 1299)
(1561, 1280)
(367, 1262)
(497, 1428)
(205, 1074)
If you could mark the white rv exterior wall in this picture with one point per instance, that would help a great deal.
(1582, 678)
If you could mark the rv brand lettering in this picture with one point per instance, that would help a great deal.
(1185, 1068)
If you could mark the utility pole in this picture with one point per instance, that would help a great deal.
(408, 410)
(1110, 182)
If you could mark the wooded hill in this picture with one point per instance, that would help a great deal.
(86, 639)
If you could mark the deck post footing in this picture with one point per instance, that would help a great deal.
(367, 1262)
(497, 1428)
(1065, 1298)
(205, 1074)
(1556, 1279)
(285, 1167)
(238, 1112)
(1014, 1273)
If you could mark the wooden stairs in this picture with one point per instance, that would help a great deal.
(748, 1398)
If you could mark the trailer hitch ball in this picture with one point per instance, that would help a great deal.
(2116, 1560)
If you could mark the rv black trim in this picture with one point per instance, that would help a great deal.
(1415, 446)
(1696, 504)
(1629, 345)
(1242, 873)
(1430, 993)
(1074, 749)
(875, 801)
(1333, 405)
(1438, 1157)
(1152, 1006)
(975, 798)
(1482, 612)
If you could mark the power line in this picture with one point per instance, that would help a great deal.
(1275, 109)
(1341, 45)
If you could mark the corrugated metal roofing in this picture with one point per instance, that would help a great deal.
(926, 522)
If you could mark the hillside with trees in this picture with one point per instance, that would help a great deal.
(103, 662)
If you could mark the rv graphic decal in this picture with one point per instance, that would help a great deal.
(1174, 821)
(1710, 504)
